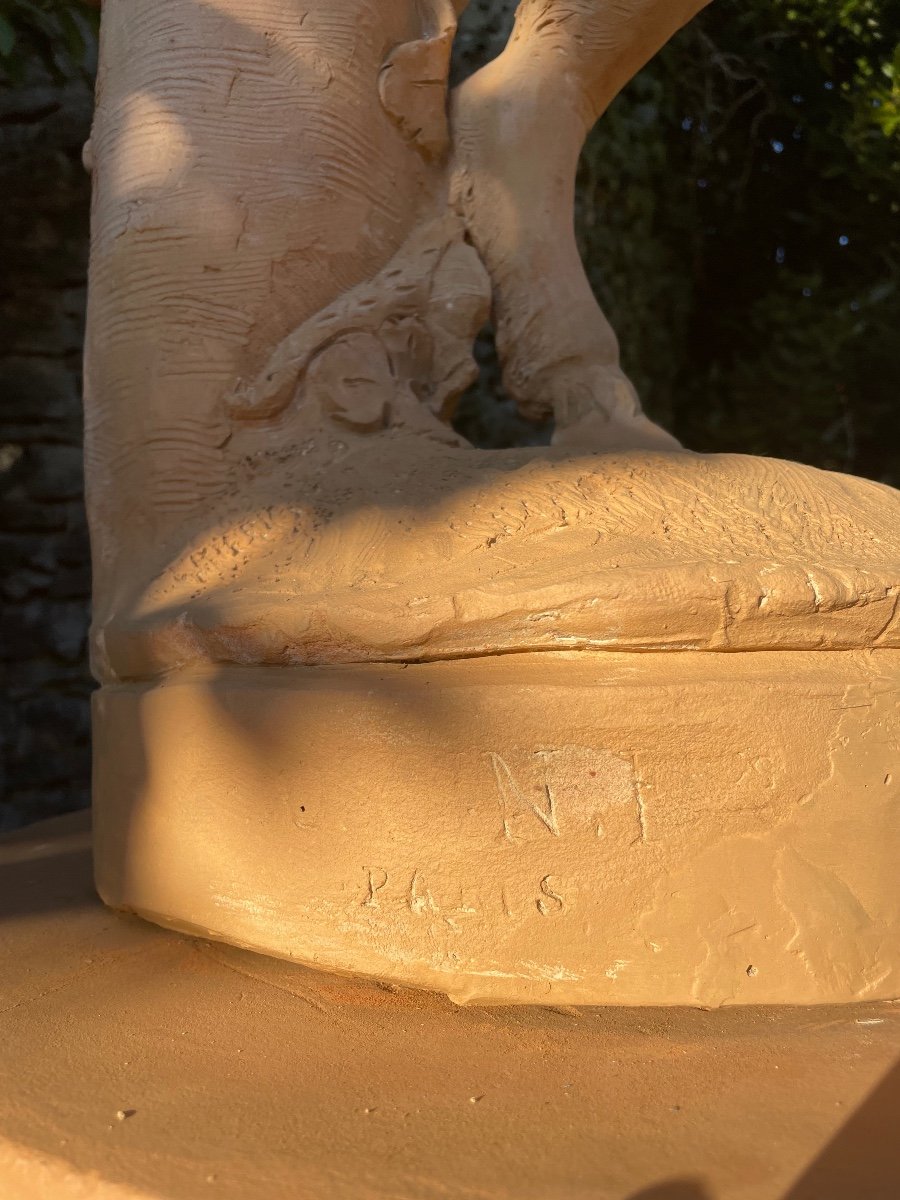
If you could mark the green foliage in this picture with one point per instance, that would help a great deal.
(738, 219)
(57, 33)
(855, 44)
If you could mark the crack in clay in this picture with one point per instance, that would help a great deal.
(103, 960)
(223, 959)
(579, 648)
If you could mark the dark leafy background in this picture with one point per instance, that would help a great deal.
(56, 34)
(737, 212)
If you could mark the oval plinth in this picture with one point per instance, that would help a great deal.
(574, 828)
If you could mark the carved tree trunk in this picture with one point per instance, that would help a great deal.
(281, 211)
(245, 177)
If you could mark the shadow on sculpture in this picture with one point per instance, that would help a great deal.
(23, 898)
(675, 1189)
(583, 724)
(863, 1159)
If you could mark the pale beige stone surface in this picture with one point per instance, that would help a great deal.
(245, 1078)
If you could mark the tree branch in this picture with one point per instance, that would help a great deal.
(518, 128)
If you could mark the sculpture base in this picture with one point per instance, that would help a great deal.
(568, 828)
(140, 1065)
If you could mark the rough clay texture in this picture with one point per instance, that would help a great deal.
(372, 698)
(571, 828)
(273, 223)
(423, 551)
(140, 1065)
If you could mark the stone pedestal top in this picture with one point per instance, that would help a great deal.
(142, 1064)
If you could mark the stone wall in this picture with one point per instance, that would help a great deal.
(45, 577)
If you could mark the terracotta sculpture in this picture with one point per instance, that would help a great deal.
(607, 722)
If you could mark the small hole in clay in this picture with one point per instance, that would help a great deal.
(486, 416)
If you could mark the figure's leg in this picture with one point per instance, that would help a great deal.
(519, 125)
